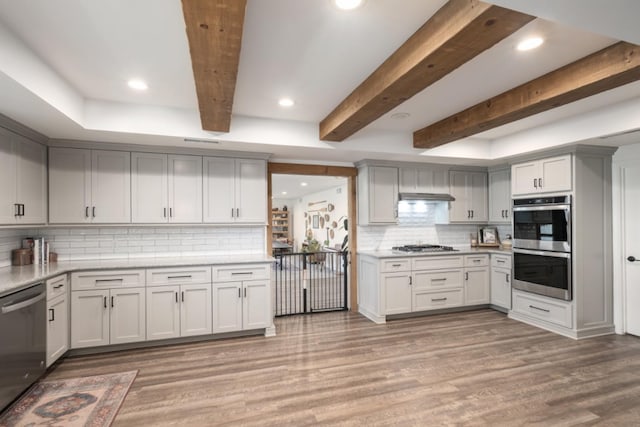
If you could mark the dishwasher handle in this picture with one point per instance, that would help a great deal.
(22, 304)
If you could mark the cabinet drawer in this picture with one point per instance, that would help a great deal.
(423, 300)
(436, 262)
(557, 312)
(476, 260)
(178, 276)
(107, 279)
(241, 272)
(397, 264)
(57, 286)
(501, 261)
(440, 279)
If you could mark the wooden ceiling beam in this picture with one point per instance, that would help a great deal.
(456, 33)
(609, 68)
(214, 30)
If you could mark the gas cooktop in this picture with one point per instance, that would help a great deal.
(423, 248)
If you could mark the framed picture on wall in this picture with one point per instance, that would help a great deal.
(316, 221)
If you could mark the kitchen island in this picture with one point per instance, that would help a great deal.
(392, 283)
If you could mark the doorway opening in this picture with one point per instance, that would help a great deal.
(312, 237)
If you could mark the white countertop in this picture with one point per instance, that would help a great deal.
(462, 250)
(15, 278)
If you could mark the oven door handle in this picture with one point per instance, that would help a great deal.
(520, 208)
(542, 253)
(22, 304)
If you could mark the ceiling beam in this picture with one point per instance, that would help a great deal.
(456, 33)
(214, 30)
(609, 68)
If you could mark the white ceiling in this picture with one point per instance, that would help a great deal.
(66, 63)
(292, 185)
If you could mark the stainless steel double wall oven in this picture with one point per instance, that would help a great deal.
(542, 246)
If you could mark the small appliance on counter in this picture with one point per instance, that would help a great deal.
(33, 251)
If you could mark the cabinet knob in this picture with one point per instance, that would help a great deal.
(631, 258)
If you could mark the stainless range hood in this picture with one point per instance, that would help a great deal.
(427, 197)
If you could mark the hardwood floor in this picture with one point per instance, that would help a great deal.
(474, 368)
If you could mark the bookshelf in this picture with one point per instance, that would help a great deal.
(281, 225)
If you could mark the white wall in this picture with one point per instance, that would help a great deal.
(625, 156)
(337, 196)
(134, 242)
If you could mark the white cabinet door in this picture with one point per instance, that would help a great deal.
(477, 289)
(185, 189)
(555, 174)
(195, 310)
(459, 209)
(127, 318)
(69, 185)
(501, 287)
(256, 307)
(149, 188)
(524, 178)
(219, 190)
(397, 292)
(423, 180)
(383, 195)
(89, 318)
(163, 312)
(251, 191)
(57, 328)
(110, 186)
(500, 196)
(8, 179)
(227, 307)
(31, 181)
(478, 196)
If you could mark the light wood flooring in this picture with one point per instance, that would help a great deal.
(474, 368)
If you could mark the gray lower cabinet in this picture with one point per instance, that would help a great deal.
(393, 286)
(501, 281)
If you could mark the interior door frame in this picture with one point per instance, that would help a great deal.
(351, 174)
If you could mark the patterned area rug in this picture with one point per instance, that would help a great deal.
(86, 401)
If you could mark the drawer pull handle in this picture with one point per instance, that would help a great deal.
(396, 265)
(59, 286)
(438, 299)
(176, 297)
(439, 280)
(241, 272)
(538, 308)
(188, 276)
(104, 302)
(109, 280)
(501, 261)
(52, 313)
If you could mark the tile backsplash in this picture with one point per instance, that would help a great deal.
(75, 243)
(416, 225)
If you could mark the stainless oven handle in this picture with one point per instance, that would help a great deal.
(20, 305)
(542, 253)
(541, 207)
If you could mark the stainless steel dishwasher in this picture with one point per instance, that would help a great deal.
(23, 341)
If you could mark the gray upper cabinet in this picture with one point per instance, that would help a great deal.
(548, 175)
(89, 186)
(500, 196)
(470, 191)
(423, 180)
(377, 195)
(235, 191)
(23, 173)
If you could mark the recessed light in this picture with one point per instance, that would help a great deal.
(137, 84)
(530, 43)
(348, 4)
(400, 116)
(284, 193)
(286, 102)
(304, 184)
